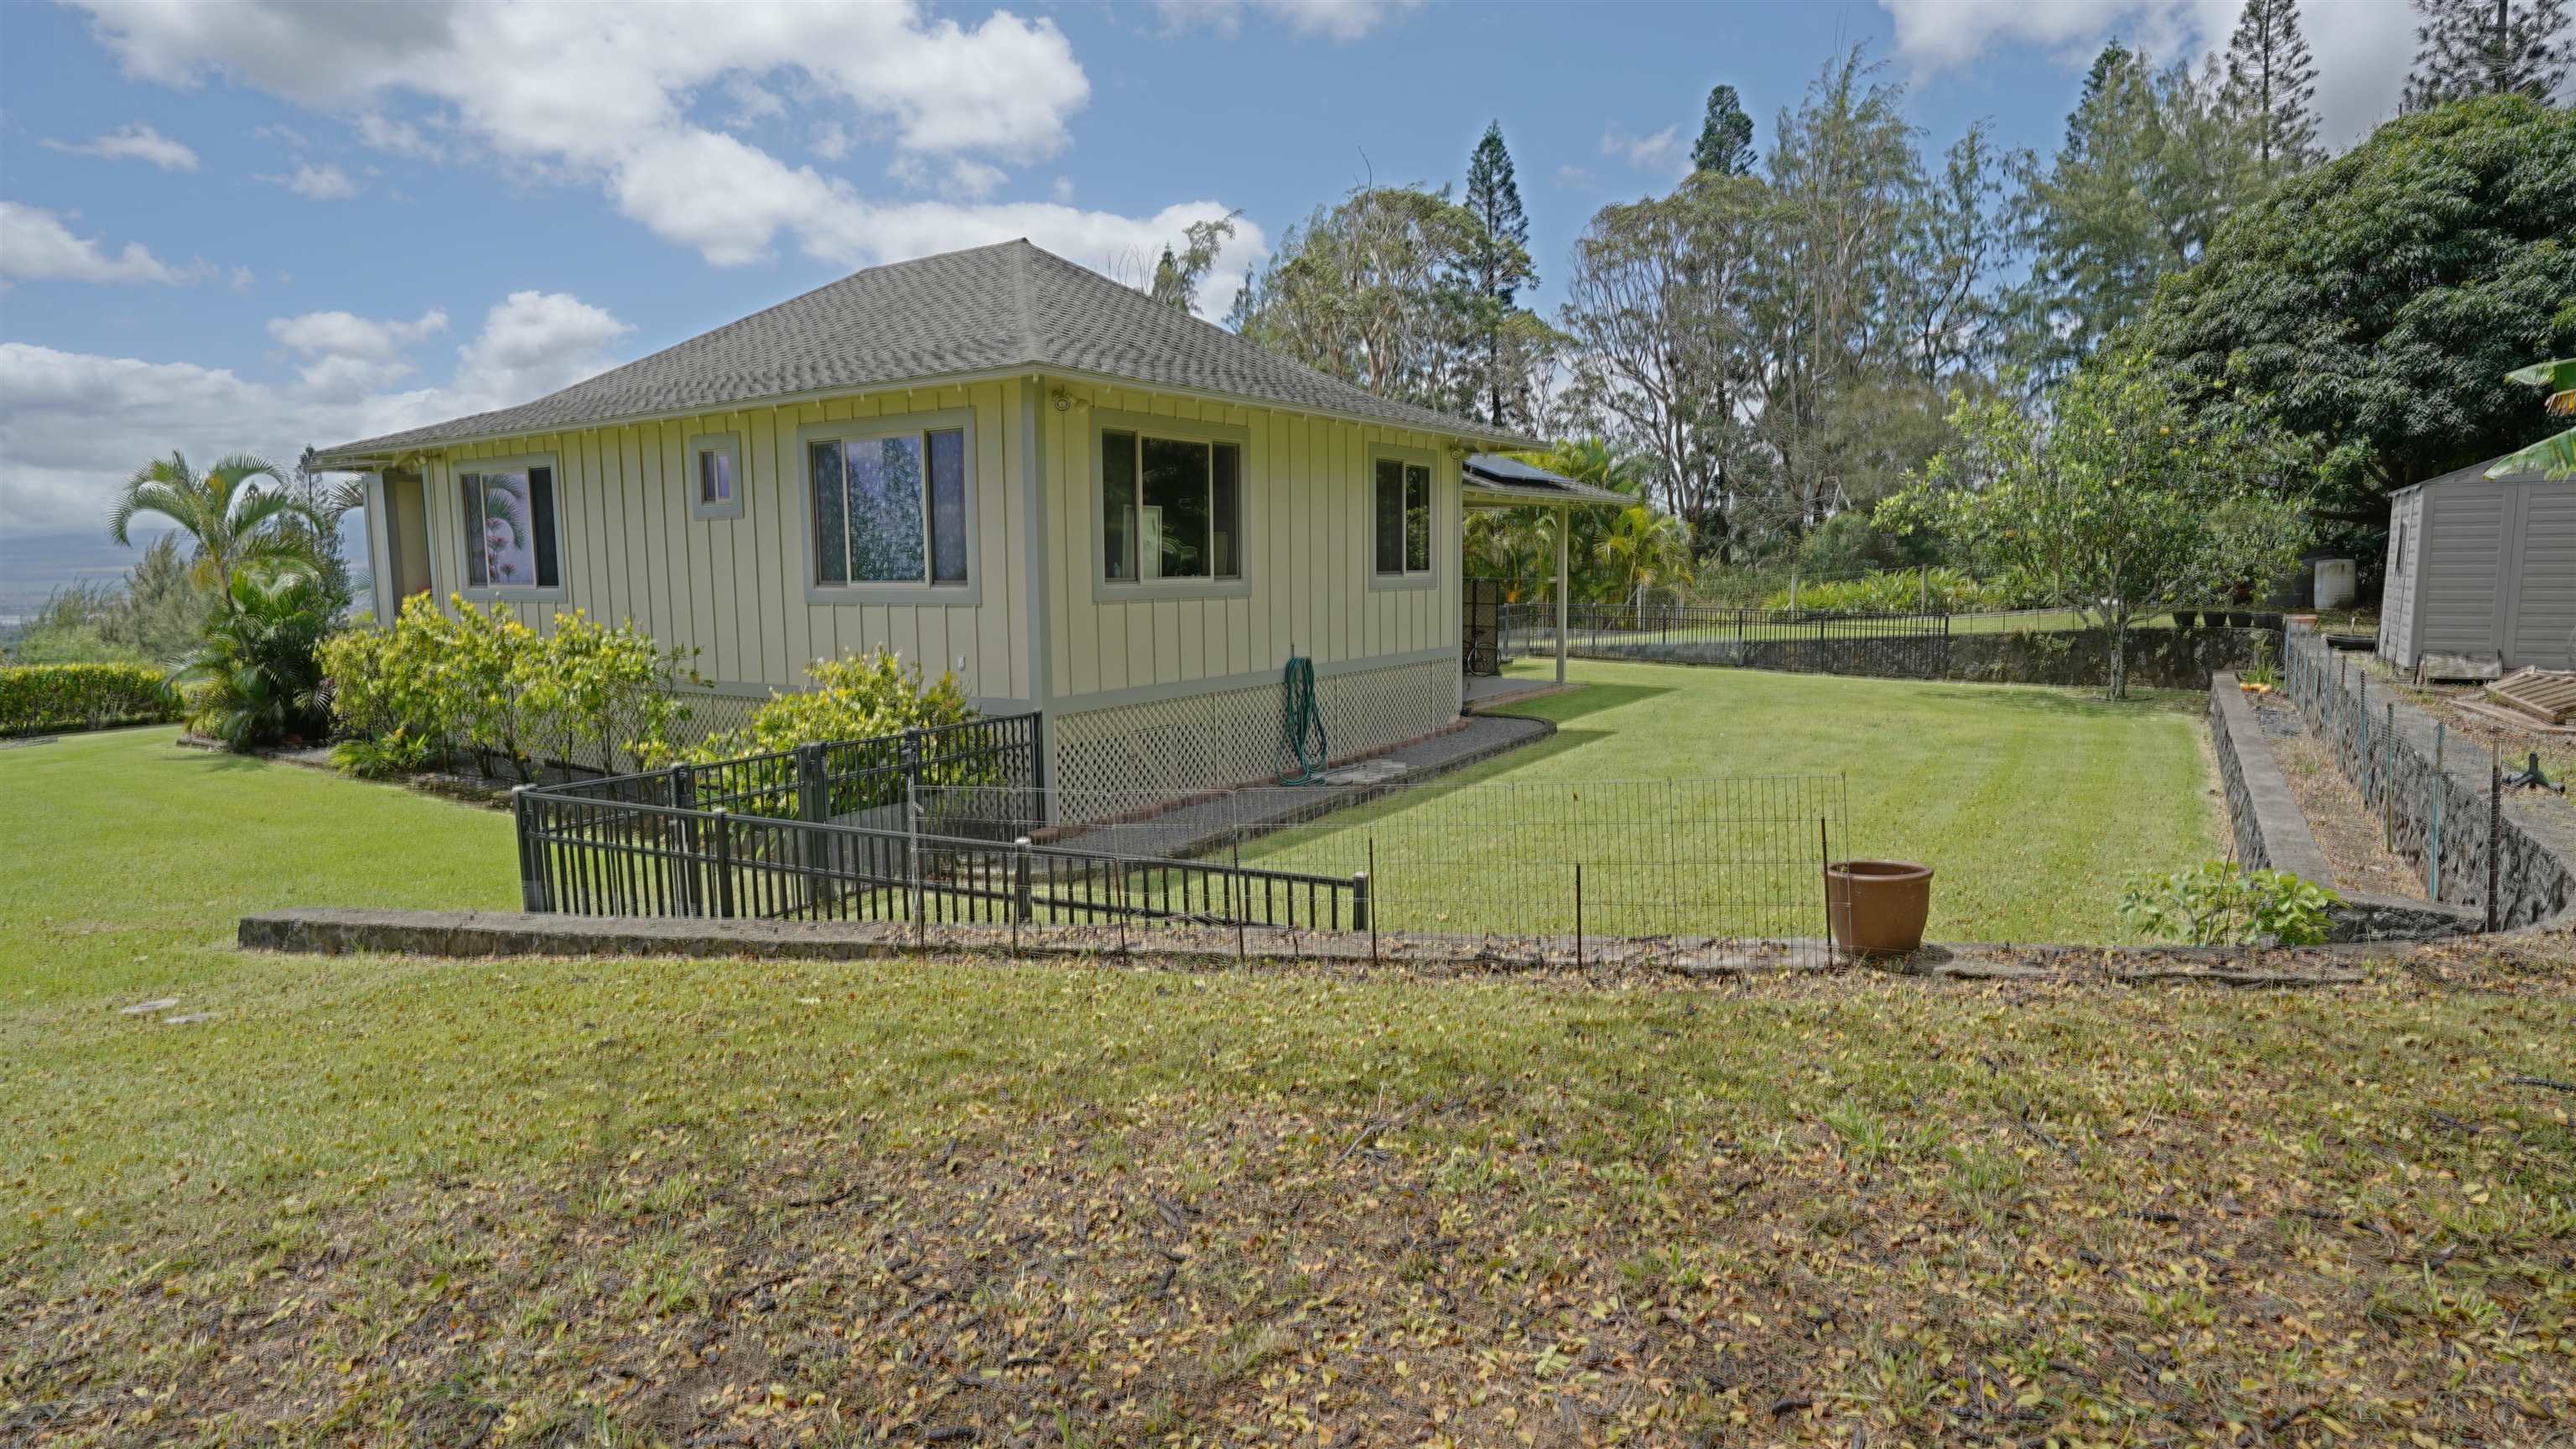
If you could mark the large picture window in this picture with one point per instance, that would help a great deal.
(1403, 514)
(510, 527)
(1171, 508)
(890, 509)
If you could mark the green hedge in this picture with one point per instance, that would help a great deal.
(35, 698)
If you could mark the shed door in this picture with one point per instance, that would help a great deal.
(2540, 605)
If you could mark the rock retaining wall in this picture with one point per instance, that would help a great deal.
(2272, 832)
(2160, 658)
(2387, 748)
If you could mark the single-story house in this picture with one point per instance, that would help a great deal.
(2482, 567)
(996, 462)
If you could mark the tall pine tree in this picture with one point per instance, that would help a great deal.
(1498, 260)
(2488, 48)
(1725, 143)
(2272, 85)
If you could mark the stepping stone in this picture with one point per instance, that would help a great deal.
(146, 1008)
(189, 1018)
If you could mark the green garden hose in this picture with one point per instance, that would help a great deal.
(1302, 747)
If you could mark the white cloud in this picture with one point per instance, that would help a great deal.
(400, 137)
(36, 245)
(1573, 177)
(1340, 20)
(1660, 152)
(319, 183)
(70, 435)
(2362, 47)
(604, 94)
(346, 334)
(137, 142)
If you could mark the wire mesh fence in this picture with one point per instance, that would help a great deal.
(1520, 870)
(1897, 645)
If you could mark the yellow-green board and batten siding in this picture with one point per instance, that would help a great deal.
(735, 589)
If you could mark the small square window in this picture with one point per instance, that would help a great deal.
(715, 476)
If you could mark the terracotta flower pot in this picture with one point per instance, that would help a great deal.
(1877, 907)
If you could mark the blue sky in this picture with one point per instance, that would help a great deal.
(243, 224)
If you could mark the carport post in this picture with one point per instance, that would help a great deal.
(1564, 523)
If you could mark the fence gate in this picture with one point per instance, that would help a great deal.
(1481, 631)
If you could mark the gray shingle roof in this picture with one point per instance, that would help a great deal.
(1010, 307)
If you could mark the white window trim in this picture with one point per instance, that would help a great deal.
(524, 462)
(731, 445)
(1106, 590)
(1427, 578)
(851, 430)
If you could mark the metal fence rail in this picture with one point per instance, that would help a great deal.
(1804, 641)
(615, 858)
(929, 826)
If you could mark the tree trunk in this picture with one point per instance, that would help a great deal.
(2120, 655)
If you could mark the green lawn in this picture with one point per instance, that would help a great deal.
(2032, 804)
(542, 1203)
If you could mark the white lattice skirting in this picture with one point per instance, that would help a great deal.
(1231, 737)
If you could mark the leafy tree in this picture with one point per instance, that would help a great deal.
(1827, 288)
(233, 522)
(1957, 238)
(1641, 549)
(1177, 276)
(2154, 162)
(1497, 266)
(1368, 291)
(2272, 85)
(1656, 306)
(2371, 303)
(1725, 143)
(2119, 502)
(2468, 48)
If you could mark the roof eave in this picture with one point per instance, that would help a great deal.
(367, 453)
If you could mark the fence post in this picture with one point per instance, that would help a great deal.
(681, 795)
(2388, 790)
(2495, 823)
(1825, 848)
(1578, 907)
(813, 846)
(2433, 828)
(721, 820)
(912, 841)
(532, 886)
(1020, 910)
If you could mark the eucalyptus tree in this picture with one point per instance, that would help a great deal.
(1368, 290)
(230, 520)
(1656, 307)
(1844, 187)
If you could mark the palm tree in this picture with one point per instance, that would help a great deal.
(233, 522)
(1640, 548)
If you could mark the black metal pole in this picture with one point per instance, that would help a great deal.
(1578, 915)
(2495, 824)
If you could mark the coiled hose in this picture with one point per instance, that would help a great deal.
(1302, 746)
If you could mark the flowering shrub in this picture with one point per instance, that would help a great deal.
(481, 680)
(856, 697)
(40, 697)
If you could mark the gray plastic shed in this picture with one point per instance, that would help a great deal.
(2482, 566)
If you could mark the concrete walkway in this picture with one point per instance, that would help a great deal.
(1203, 823)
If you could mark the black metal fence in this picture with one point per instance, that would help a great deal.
(1913, 646)
(929, 827)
